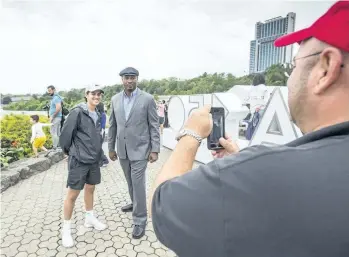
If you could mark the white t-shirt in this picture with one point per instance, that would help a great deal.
(258, 97)
(37, 130)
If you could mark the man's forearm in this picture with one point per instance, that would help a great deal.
(155, 141)
(180, 161)
(112, 131)
(65, 140)
(154, 137)
(55, 114)
(111, 139)
(154, 129)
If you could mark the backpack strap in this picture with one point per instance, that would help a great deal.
(60, 97)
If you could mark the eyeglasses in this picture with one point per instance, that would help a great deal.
(303, 57)
(293, 64)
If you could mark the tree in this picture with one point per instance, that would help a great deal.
(275, 74)
(203, 84)
(6, 100)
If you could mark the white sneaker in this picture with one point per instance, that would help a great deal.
(67, 239)
(92, 221)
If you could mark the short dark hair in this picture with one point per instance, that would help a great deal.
(35, 118)
(258, 79)
(163, 101)
(51, 87)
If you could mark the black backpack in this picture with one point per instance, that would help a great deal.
(65, 111)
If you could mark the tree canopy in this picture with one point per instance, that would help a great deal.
(203, 84)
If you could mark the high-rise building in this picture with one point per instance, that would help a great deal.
(263, 53)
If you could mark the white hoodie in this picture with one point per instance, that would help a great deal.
(258, 97)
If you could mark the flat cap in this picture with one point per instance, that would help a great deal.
(129, 71)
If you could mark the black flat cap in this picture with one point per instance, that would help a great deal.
(129, 71)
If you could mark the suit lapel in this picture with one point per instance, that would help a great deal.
(139, 93)
(121, 106)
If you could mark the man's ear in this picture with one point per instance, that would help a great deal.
(330, 67)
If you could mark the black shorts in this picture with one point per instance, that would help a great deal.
(80, 174)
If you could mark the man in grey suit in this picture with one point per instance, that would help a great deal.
(134, 126)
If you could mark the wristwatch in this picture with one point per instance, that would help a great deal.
(187, 132)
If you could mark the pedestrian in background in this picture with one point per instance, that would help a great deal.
(161, 113)
(55, 115)
(166, 124)
(101, 109)
(38, 138)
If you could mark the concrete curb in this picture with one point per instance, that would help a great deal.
(26, 168)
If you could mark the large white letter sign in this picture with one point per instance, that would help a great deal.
(234, 111)
(180, 107)
(275, 126)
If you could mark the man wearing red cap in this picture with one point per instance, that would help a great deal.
(290, 200)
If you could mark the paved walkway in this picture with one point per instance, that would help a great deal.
(31, 217)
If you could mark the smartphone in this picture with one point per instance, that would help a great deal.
(218, 129)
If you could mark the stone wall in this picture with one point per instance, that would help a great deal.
(26, 168)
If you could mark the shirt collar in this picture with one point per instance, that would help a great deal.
(341, 129)
(134, 93)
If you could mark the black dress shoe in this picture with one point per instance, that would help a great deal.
(138, 231)
(127, 208)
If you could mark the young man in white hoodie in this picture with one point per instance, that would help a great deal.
(258, 95)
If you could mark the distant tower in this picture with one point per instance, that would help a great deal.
(263, 53)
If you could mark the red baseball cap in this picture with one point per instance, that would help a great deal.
(331, 28)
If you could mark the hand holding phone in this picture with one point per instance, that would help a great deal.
(218, 129)
(230, 147)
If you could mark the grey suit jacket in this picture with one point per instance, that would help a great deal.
(139, 135)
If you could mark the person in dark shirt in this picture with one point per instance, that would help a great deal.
(101, 109)
(166, 125)
(280, 201)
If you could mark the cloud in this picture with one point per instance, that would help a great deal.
(75, 43)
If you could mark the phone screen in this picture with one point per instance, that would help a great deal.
(217, 129)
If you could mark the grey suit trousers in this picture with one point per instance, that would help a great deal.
(135, 176)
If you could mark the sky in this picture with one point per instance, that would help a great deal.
(74, 43)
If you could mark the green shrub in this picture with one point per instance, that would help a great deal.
(8, 155)
(15, 137)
